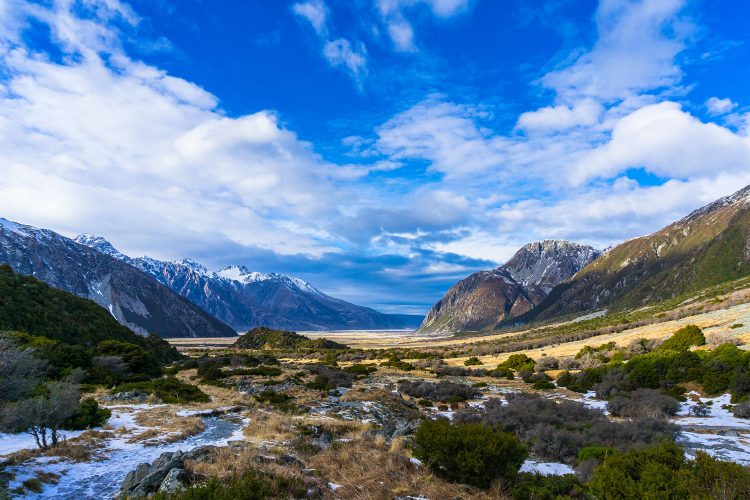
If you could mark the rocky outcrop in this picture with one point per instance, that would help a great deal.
(246, 299)
(132, 297)
(487, 298)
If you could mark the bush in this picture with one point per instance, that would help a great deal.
(328, 377)
(683, 339)
(536, 486)
(395, 362)
(471, 453)
(168, 389)
(89, 415)
(518, 362)
(547, 363)
(444, 391)
(506, 373)
(558, 430)
(361, 370)
(643, 403)
(250, 485)
(473, 361)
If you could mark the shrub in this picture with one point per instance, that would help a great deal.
(558, 430)
(518, 362)
(473, 361)
(683, 339)
(506, 373)
(444, 391)
(547, 363)
(642, 403)
(89, 415)
(471, 453)
(395, 362)
(328, 377)
(168, 389)
(536, 486)
(361, 370)
(250, 485)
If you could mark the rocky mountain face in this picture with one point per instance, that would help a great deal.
(708, 247)
(487, 298)
(245, 299)
(133, 297)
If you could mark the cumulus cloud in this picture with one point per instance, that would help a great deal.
(635, 51)
(717, 106)
(559, 118)
(669, 142)
(119, 146)
(316, 14)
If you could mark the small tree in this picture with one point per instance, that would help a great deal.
(683, 339)
(471, 453)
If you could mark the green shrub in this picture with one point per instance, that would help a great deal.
(683, 339)
(473, 361)
(470, 453)
(595, 452)
(518, 362)
(737, 325)
(396, 363)
(251, 485)
(536, 486)
(506, 373)
(89, 415)
(168, 389)
(361, 369)
(33, 484)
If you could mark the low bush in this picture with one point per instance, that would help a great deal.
(518, 362)
(536, 486)
(742, 410)
(396, 363)
(473, 361)
(643, 403)
(444, 391)
(168, 389)
(328, 377)
(683, 339)
(250, 485)
(89, 415)
(558, 430)
(472, 453)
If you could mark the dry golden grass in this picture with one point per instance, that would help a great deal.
(278, 428)
(84, 448)
(165, 426)
(368, 469)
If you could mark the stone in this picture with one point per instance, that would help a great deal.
(174, 481)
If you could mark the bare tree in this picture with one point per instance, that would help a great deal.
(20, 371)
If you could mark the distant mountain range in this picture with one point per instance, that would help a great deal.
(487, 298)
(708, 247)
(557, 278)
(245, 299)
(134, 298)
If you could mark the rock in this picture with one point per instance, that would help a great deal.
(324, 441)
(291, 460)
(204, 453)
(135, 476)
(137, 396)
(174, 481)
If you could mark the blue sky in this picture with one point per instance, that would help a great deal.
(381, 149)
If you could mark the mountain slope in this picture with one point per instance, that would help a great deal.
(487, 298)
(135, 299)
(709, 246)
(31, 306)
(245, 299)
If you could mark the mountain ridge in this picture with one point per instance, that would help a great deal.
(247, 299)
(487, 298)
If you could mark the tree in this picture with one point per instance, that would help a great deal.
(20, 371)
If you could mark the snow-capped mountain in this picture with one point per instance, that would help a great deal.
(245, 299)
(486, 298)
(133, 297)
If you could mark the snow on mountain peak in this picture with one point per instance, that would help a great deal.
(99, 244)
(14, 227)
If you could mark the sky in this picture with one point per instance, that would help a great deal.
(380, 149)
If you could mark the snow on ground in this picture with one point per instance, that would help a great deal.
(546, 468)
(101, 479)
(11, 443)
(717, 417)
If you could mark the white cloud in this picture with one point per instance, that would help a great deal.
(316, 14)
(559, 118)
(341, 53)
(394, 15)
(635, 52)
(718, 106)
(123, 148)
(667, 141)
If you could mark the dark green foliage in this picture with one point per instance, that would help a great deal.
(31, 306)
(473, 361)
(506, 373)
(168, 389)
(595, 452)
(361, 370)
(683, 339)
(89, 415)
(536, 487)
(262, 337)
(138, 359)
(327, 377)
(584, 380)
(396, 363)
(251, 485)
(260, 371)
(518, 362)
(559, 430)
(470, 453)
(662, 472)
(444, 391)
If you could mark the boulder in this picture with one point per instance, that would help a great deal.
(174, 481)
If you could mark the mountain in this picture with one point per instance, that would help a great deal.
(708, 247)
(487, 298)
(32, 307)
(132, 297)
(245, 299)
